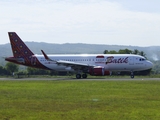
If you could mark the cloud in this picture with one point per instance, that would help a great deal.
(98, 22)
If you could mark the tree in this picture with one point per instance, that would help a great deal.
(125, 51)
(156, 67)
(136, 51)
(110, 52)
(36, 71)
(3, 71)
(11, 67)
(142, 54)
(105, 52)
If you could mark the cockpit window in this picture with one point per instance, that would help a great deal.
(141, 59)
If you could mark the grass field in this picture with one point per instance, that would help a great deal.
(80, 100)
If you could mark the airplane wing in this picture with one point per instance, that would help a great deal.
(74, 65)
(68, 63)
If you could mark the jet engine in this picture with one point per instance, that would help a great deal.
(98, 71)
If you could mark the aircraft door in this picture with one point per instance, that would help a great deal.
(33, 60)
(131, 61)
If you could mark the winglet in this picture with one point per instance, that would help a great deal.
(46, 57)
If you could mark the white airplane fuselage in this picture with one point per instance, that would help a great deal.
(111, 62)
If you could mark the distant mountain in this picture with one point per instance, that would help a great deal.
(152, 52)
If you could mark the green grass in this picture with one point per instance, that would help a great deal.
(79, 100)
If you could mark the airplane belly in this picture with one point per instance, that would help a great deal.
(119, 67)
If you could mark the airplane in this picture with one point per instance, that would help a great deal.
(81, 64)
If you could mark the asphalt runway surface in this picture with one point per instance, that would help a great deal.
(88, 79)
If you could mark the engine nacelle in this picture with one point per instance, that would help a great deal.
(98, 71)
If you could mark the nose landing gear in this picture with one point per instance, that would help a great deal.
(132, 75)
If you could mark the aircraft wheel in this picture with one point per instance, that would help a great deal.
(78, 76)
(84, 76)
(132, 75)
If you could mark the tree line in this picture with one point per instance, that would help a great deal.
(13, 69)
(126, 51)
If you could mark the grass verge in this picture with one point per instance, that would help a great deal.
(77, 100)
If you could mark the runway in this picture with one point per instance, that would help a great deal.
(88, 79)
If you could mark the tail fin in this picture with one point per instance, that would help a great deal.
(20, 51)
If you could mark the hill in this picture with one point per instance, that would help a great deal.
(152, 52)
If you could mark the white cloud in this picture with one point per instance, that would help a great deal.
(97, 22)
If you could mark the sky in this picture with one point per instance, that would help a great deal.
(110, 22)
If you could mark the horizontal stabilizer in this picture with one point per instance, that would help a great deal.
(19, 60)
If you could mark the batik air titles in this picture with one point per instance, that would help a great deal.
(81, 64)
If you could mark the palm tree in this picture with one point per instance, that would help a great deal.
(136, 52)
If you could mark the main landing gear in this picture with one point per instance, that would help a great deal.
(78, 76)
(132, 75)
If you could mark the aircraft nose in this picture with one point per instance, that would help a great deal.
(150, 64)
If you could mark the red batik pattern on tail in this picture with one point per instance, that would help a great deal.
(19, 49)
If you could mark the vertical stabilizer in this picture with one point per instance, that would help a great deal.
(19, 49)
